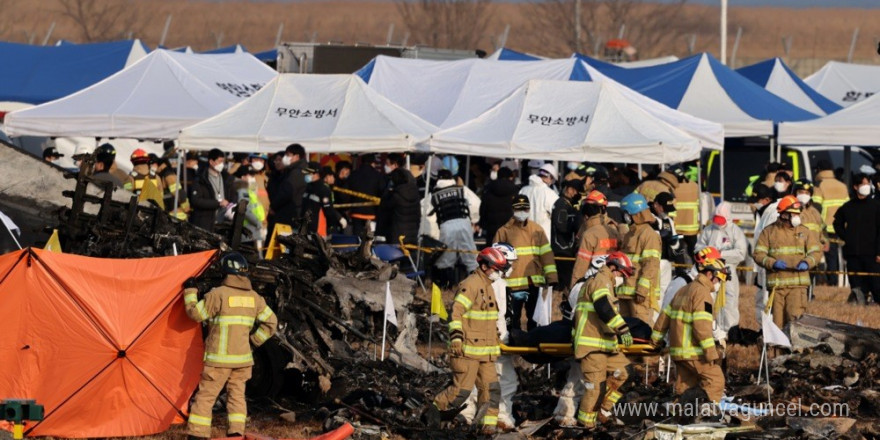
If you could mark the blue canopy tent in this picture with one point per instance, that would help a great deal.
(267, 55)
(776, 77)
(38, 74)
(505, 54)
(235, 48)
(701, 86)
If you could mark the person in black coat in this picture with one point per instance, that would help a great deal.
(286, 195)
(318, 198)
(566, 221)
(399, 210)
(368, 180)
(497, 202)
(212, 192)
(857, 223)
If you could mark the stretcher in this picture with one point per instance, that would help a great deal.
(638, 348)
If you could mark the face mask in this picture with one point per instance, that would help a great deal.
(495, 275)
(804, 198)
(521, 215)
(572, 166)
(258, 166)
(627, 218)
(865, 190)
(388, 169)
(309, 178)
(152, 171)
(493, 175)
(758, 205)
(508, 272)
(795, 220)
(618, 281)
(717, 286)
(286, 160)
(250, 179)
(218, 167)
(780, 187)
(719, 220)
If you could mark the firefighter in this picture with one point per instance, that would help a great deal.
(787, 250)
(831, 194)
(688, 321)
(168, 176)
(507, 377)
(599, 238)
(230, 311)
(140, 173)
(454, 207)
(318, 201)
(474, 344)
(640, 295)
(723, 235)
(811, 215)
(595, 335)
(535, 266)
(665, 182)
(687, 208)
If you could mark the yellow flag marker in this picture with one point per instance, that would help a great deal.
(437, 307)
(54, 244)
(151, 192)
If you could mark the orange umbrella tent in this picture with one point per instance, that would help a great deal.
(104, 345)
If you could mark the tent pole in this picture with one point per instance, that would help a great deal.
(185, 189)
(640, 172)
(467, 171)
(721, 173)
(847, 165)
(699, 190)
(177, 193)
(772, 149)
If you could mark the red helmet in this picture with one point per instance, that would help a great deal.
(139, 157)
(596, 198)
(493, 258)
(789, 203)
(621, 262)
(705, 254)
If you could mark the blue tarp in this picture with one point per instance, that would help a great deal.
(787, 85)
(38, 74)
(668, 83)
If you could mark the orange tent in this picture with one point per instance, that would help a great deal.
(104, 345)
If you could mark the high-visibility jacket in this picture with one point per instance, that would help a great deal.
(687, 208)
(535, 264)
(831, 194)
(598, 240)
(642, 245)
(231, 312)
(134, 182)
(593, 332)
(780, 241)
(812, 219)
(688, 320)
(666, 182)
(262, 192)
(474, 316)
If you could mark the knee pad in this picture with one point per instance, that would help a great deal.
(459, 400)
(494, 394)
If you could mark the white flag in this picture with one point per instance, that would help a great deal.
(772, 334)
(544, 307)
(9, 224)
(390, 314)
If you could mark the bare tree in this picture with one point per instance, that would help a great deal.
(653, 28)
(101, 20)
(453, 24)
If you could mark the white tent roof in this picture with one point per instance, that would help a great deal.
(541, 121)
(846, 83)
(856, 125)
(448, 93)
(324, 113)
(710, 134)
(152, 99)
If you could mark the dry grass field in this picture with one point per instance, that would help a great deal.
(816, 33)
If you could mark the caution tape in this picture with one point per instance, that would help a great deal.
(355, 205)
(361, 195)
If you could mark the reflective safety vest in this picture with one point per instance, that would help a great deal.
(231, 311)
(687, 209)
(535, 264)
(590, 332)
(688, 321)
(136, 183)
(474, 318)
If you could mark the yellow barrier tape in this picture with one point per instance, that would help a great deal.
(357, 194)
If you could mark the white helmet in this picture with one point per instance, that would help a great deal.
(509, 253)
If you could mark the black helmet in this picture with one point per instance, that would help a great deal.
(233, 263)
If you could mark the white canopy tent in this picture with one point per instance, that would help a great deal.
(541, 121)
(858, 125)
(846, 83)
(152, 99)
(324, 113)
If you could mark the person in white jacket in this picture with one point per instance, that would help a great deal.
(507, 378)
(729, 239)
(542, 197)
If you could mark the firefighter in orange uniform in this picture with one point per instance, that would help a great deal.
(599, 237)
